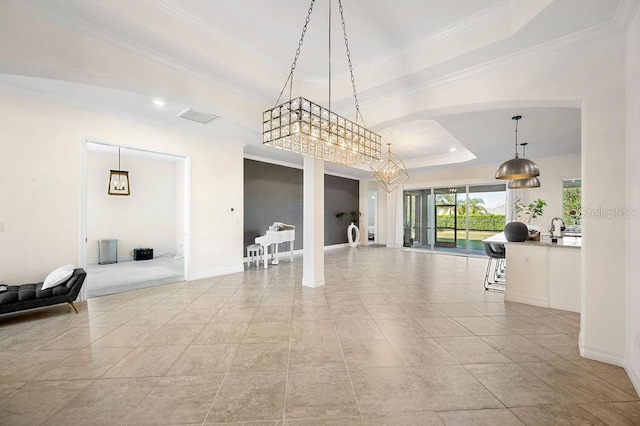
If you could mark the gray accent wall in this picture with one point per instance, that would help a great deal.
(340, 195)
(274, 193)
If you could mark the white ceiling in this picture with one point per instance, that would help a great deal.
(247, 47)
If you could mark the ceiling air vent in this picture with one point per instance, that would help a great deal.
(200, 117)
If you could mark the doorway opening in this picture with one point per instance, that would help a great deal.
(140, 239)
(372, 216)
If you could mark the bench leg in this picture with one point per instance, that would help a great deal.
(73, 306)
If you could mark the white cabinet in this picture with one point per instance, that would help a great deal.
(527, 274)
(543, 275)
(564, 279)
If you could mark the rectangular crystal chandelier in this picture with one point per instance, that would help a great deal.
(305, 128)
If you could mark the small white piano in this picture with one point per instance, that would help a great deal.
(278, 233)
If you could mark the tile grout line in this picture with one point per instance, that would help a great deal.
(234, 356)
(483, 385)
(230, 363)
(69, 402)
(344, 359)
(140, 346)
(286, 382)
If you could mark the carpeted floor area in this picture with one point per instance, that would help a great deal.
(132, 275)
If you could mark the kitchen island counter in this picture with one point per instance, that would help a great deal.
(542, 273)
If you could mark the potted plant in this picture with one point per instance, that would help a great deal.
(355, 216)
(407, 241)
(530, 211)
(353, 232)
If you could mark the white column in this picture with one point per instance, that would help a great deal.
(313, 220)
(395, 218)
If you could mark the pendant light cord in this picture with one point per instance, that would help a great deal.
(118, 158)
(517, 121)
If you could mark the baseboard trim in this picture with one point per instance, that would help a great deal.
(535, 301)
(91, 293)
(599, 354)
(216, 273)
(284, 255)
(313, 284)
(634, 376)
(120, 260)
(338, 246)
(394, 245)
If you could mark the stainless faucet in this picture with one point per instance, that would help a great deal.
(557, 226)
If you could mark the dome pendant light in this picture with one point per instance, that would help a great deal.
(517, 168)
(533, 182)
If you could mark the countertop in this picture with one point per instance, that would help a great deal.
(545, 241)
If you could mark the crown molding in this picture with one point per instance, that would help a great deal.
(176, 10)
(550, 46)
(625, 12)
(47, 12)
(486, 17)
(470, 23)
(296, 166)
(565, 42)
(502, 10)
(273, 161)
(439, 160)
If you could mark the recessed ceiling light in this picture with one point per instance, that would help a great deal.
(452, 150)
(158, 102)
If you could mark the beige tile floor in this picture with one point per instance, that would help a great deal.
(394, 338)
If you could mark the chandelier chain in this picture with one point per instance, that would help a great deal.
(295, 59)
(309, 129)
(353, 80)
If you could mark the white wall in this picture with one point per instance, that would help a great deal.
(180, 207)
(382, 214)
(145, 218)
(40, 183)
(553, 171)
(632, 356)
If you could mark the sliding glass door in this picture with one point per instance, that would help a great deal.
(446, 217)
(455, 218)
(486, 213)
(416, 221)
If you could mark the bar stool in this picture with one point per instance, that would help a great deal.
(494, 277)
(254, 252)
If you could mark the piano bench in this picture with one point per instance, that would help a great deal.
(254, 252)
